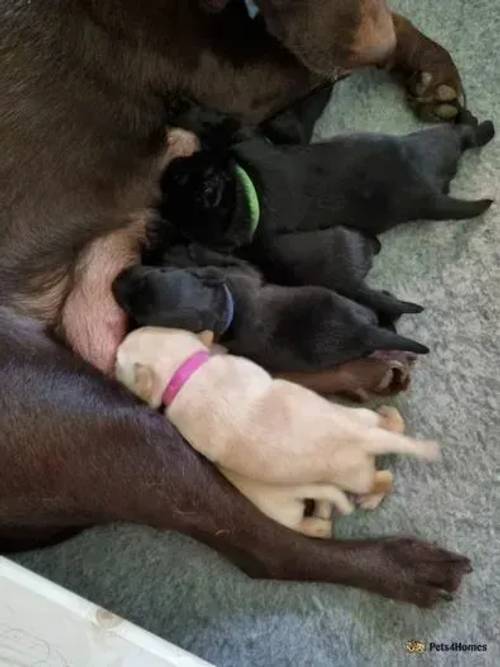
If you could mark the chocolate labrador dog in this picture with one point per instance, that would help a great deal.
(86, 87)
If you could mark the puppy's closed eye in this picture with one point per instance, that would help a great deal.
(182, 180)
(211, 195)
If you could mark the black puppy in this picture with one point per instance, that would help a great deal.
(280, 205)
(255, 190)
(281, 328)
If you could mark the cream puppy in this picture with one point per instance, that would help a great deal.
(286, 504)
(257, 428)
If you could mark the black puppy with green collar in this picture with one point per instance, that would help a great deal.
(278, 204)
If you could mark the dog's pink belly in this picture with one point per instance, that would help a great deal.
(93, 323)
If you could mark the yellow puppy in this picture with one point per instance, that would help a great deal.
(263, 432)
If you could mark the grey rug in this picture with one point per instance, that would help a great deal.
(188, 594)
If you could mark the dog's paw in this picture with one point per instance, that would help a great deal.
(419, 572)
(397, 372)
(436, 93)
(391, 419)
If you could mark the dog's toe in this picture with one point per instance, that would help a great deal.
(436, 95)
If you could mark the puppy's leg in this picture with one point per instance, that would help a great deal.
(377, 441)
(386, 417)
(326, 497)
(383, 485)
(315, 527)
(391, 419)
(362, 416)
(323, 509)
(295, 125)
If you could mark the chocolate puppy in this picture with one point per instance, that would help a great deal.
(281, 328)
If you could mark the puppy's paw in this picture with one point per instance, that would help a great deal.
(315, 527)
(391, 419)
(370, 502)
(323, 509)
(383, 485)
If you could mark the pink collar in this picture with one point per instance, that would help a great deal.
(182, 375)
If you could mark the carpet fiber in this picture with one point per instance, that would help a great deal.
(188, 594)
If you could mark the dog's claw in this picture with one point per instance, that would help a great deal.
(426, 572)
(446, 597)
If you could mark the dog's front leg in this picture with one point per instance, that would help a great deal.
(431, 77)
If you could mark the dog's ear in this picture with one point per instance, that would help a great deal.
(206, 337)
(143, 382)
(213, 5)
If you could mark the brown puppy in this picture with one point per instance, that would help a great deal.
(85, 89)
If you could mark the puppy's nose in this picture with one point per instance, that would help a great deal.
(375, 40)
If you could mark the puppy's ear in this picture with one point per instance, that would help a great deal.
(206, 337)
(143, 382)
(213, 5)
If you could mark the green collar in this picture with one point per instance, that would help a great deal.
(251, 196)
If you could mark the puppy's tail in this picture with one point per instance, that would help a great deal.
(385, 339)
(443, 207)
(379, 441)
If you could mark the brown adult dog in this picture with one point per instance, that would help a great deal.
(85, 89)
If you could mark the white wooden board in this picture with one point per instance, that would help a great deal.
(44, 625)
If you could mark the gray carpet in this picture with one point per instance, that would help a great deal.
(191, 596)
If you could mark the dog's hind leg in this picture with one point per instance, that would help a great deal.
(79, 450)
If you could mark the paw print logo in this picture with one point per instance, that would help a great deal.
(415, 646)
